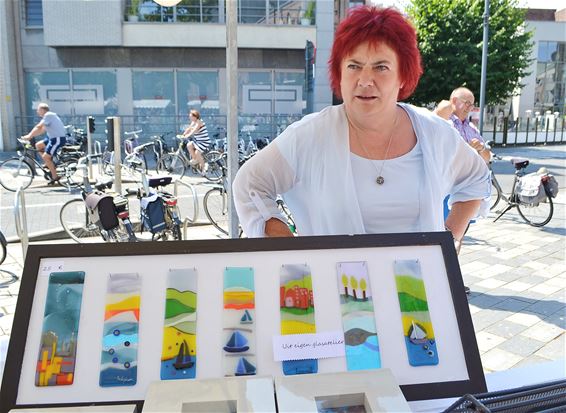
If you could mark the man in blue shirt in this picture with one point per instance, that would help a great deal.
(53, 127)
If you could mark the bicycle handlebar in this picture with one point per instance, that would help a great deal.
(134, 132)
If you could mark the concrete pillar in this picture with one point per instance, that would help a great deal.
(11, 75)
(324, 38)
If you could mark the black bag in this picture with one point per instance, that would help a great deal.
(102, 207)
(152, 213)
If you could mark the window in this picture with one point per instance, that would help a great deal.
(34, 13)
(154, 100)
(198, 90)
(550, 85)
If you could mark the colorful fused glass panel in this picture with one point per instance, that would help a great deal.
(296, 303)
(120, 331)
(179, 353)
(58, 348)
(239, 322)
(417, 326)
(358, 321)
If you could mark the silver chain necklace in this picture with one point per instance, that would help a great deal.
(379, 180)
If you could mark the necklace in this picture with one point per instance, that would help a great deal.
(379, 180)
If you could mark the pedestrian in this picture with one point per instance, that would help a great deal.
(199, 141)
(370, 164)
(461, 105)
(51, 125)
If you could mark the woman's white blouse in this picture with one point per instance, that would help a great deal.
(309, 164)
(397, 198)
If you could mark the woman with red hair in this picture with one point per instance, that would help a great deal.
(371, 164)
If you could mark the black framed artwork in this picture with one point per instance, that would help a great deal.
(422, 321)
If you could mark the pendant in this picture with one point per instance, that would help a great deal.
(380, 180)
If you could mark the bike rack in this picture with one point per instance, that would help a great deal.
(187, 220)
(21, 219)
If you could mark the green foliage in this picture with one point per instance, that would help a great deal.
(134, 7)
(450, 36)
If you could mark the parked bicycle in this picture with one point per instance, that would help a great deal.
(134, 163)
(535, 210)
(159, 209)
(97, 213)
(177, 163)
(215, 204)
(19, 171)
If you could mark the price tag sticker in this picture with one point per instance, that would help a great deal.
(48, 266)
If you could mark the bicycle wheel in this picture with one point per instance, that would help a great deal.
(76, 221)
(538, 214)
(215, 204)
(215, 163)
(171, 164)
(15, 173)
(70, 176)
(3, 247)
(495, 193)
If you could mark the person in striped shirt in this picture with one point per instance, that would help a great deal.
(199, 141)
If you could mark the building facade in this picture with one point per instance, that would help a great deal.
(151, 64)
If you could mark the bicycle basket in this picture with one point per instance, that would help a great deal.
(152, 213)
(530, 189)
(102, 206)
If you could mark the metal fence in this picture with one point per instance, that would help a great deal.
(250, 127)
(526, 131)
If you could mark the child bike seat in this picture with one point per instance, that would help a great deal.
(519, 163)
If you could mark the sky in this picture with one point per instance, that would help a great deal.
(533, 4)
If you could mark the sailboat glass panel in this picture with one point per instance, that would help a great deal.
(417, 325)
(179, 352)
(239, 322)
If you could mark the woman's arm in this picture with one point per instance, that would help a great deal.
(192, 129)
(255, 191)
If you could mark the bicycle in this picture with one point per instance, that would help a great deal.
(3, 248)
(159, 210)
(215, 204)
(537, 213)
(134, 160)
(176, 163)
(19, 171)
(80, 219)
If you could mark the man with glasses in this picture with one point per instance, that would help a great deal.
(458, 111)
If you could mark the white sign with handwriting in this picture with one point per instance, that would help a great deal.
(48, 266)
(309, 346)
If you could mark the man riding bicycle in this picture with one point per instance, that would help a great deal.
(51, 125)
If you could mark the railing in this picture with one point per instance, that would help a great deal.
(539, 130)
(21, 221)
(254, 127)
(200, 11)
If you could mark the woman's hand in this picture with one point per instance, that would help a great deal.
(277, 228)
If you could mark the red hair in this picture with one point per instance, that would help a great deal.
(375, 25)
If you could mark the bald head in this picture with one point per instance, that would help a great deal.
(462, 101)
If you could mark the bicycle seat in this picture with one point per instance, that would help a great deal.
(157, 181)
(70, 148)
(104, 184)
(520, 163)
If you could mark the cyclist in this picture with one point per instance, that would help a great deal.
(51, 125)
(199, 141)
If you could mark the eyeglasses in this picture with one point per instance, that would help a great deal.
(466, 102)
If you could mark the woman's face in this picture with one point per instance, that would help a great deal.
(370, 79)
(192, 117)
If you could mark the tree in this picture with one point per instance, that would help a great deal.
(354, 285)
(363, 286)
(345, 283)
(450, 34)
